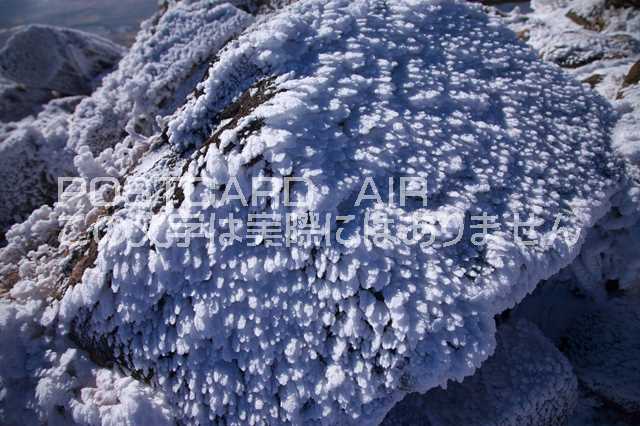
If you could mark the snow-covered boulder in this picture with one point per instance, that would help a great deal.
(339, 92)
(599, 336)
(60, 59)
(578, 33)
(62, 386)
(604, 349)
(527, 381)
(336, 92)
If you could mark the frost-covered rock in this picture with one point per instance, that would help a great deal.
(170, 55)
(604, 350)
(60, 59)
(60, 387)
(527, 381)
(39, 63)
(608, 256)
(598, 336)
(33, 155)
(339, 334)
(575, 33)
(598, 41)
(335, 91)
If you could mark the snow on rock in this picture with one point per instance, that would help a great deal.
(590, 307)
(604, 350)
(608, 259)
(336, 91)
(33, 155)
(39, 63)
(527, 381)
(39, 385)
(64, 60)
(340, 91)
(169, 57)
(591, 29)
(597, 41)
(117, 400)
(599, 336)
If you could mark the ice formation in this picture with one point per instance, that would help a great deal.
(589, 308)
(170, 55)
(33, 155)
(43, 71)
(527, 381)
(63, 382)
(587, 31)
(335, 91)
(597, 41)
(356, 326)
(603, 347)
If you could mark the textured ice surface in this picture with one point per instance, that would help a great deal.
(336, 91)
(598, 41)
(169, 56)
(33, 155)
(527, 381)
(590, 308)
(66, 386)
(599, 336)
(339, 91)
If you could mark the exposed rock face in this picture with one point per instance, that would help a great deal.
(527, 381)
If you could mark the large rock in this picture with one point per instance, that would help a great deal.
(608, 257)
(337, 92)
(604, 350)
(527, 381)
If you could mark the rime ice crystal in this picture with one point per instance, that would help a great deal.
(339, 91)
